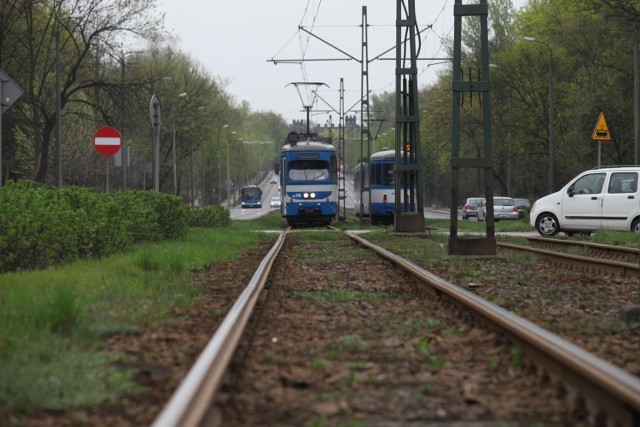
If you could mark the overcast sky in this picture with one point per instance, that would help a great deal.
(235, 41)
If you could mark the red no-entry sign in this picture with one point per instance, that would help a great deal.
(107, 141)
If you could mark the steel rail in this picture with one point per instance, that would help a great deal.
(191, 401)
(610, 266)
(620, 252)
(613, 390)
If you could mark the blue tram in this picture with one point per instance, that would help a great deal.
(309, 182)
(379, 176)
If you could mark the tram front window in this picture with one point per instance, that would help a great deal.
(308, 170)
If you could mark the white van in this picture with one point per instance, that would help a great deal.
(599, 198)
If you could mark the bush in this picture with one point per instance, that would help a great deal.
(172, 215)
(209, 216)
(41, 227)
(139, 215)
(36, 227)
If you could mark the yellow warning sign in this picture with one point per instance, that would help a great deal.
(601, 132)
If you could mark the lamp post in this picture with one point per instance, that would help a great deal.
(124, 157)
(59, 103)
(192, 196)
(236, 180)
(229, 174)
(58, 112)
(225, 126)
(551, 145)
(173, 151)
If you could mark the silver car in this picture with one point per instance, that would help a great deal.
(503, 208)
(275, 202)
(470, 207)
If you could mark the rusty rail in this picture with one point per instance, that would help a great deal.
(586, 263)
(191, 401)
(612, 390)
(620, 253)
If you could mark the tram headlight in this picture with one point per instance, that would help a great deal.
(309, 195)
(313, 195)
(305, 195)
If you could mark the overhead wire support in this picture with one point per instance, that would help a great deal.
(307, 107)
(364, 112)
(342, 192)
(326, 102)
(409, 207)
(326, 42)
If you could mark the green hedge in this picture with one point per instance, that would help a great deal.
(41, 227)
(209, 216)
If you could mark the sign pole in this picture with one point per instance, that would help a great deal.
(9, 92)
(601, 133)
(106, 181)
(599, 153)
(155, 116)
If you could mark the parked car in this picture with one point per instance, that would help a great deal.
(470, 207)
(503, 208)
(275, 202)
(606, 197)
(274, 180)
(523, 206)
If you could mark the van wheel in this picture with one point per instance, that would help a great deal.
(635, 227)
(547, 225)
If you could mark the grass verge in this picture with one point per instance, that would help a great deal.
(53, 322)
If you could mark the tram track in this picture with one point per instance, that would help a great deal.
(597, 250)
(615, 393)
(603, 259)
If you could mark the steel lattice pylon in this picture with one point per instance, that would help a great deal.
(467, 246)
(409, 207)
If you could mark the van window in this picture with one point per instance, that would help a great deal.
(588, 184)
(623, 182)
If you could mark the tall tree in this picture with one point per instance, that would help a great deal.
(87, 29)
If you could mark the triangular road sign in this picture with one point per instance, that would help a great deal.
(601, 131)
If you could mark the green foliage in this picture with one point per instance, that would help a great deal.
(516, 357)
(53, 322)
(209, 216)
(42, 227)
(616, 238)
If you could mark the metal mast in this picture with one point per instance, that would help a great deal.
(467, 246)
(364, 113)
(409, 210)
(342, 195)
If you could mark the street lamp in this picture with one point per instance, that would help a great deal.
(236, 180)
(59, 102)
(124, 157)
(229, 174)
(200, 108)
(225, 126)
(551, 147)
(173, 150)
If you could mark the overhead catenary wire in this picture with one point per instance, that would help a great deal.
(310, 20)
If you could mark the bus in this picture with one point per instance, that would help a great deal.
(251, 197)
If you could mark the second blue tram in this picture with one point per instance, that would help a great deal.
(379, 176)
(309, 182)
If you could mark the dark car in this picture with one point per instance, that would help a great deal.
(470, 207)
(523, 206)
